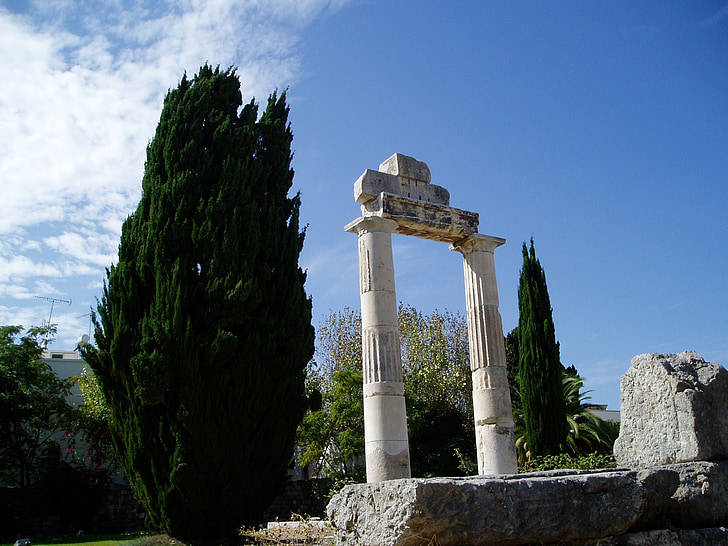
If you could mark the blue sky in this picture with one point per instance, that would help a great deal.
(600, 129)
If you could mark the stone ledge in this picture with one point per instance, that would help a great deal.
(555, 506)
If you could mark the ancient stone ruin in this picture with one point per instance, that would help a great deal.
(674, 437)
(399, 198)
(674, 410)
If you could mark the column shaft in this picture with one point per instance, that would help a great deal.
(495, 438)
(385, 418)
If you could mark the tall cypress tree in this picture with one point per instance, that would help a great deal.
(204, 328)
(540, 369)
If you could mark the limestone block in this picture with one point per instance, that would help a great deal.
(714, 536)
(408, 167)
(674, 409)
(425, 220)
(370, 184)
(701, 499)
(520, 509)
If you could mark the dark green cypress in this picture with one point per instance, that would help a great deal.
(204, 328)
(540, 369)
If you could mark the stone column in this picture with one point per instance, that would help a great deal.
(385, 418)
(494, 435)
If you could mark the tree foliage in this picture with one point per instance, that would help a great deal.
(331, 434)
(540, 369)
(204, 328)
(436, 368)
(438, 391)
(33, 405)
(89, 436)
(587, 432)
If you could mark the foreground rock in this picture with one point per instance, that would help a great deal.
(519, 509)
(701, 499)
(674, 409)
(714, 536)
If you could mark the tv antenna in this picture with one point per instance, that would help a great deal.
(89, 315)
(53, 302)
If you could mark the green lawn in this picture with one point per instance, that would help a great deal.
(106, 542)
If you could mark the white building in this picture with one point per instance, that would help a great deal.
(66, 364)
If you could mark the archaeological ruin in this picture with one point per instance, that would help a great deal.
(672, 488)
(399, 198)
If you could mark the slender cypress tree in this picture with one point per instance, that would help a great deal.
(540, 369)
(204, 328)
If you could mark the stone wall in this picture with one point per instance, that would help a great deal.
(119, 512)
(115, 511)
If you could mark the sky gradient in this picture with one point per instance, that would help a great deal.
(600, 129)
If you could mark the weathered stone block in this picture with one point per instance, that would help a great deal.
(715, 536)
(674, 409)
(701, 499)
(408, 167)
(519, 509)
(370, 184)
(424, 220)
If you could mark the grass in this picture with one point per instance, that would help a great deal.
(303, 531)
(104, 540)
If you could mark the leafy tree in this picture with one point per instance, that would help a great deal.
(438, 389)
(33, 405)
(89, 436)
(540, 369)
(332, 433)
(204, 328)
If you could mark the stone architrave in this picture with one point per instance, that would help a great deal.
(385, 419)
(494, 428)
(399, 198)
(674, 410)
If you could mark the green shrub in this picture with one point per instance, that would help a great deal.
(593, 461)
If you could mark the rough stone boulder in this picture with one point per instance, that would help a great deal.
(701, 499)
(560, 505)
(674, 409)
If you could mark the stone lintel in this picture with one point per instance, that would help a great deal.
(406, 166)
(372, 183)
(424, 220)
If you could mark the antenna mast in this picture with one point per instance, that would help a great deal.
(53, 302)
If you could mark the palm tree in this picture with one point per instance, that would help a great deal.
(587, 432)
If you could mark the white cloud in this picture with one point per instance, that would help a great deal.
(83, 85)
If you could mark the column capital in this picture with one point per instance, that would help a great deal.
(367, 224)
(477, 242)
